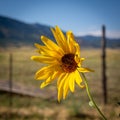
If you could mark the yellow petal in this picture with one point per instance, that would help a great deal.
(77, 47)
(60, 92)
(51, 45)
(48, 52)
(44, 59)
(78, 79)
(58, 30)
(51, 53)
(82, 59)
(65, 88)
(57, 39)
(42, 49)
(44, 84)
(47, 82)
(65, 92)
(44, 72)
(62, 38)
(85, 70)
(70, 34)
(53, 76)
(61, 80)
(42, 77)
(73, 45)
(56, 74)
(70, 42)
(77, 59)
(72, 82)
(39, 46)
(60, 41)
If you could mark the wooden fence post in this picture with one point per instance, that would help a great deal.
(104, 78)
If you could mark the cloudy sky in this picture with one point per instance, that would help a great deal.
(81, 16)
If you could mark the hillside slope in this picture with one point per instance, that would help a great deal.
(14, 32)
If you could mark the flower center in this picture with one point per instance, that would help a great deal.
(68, 63)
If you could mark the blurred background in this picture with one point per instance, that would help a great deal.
(21, 25)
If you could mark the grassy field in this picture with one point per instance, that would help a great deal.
(75, 107)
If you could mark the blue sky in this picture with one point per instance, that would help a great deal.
(81, 16)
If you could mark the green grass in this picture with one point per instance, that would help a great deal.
(76, 106)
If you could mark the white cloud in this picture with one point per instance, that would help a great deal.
(113, 34)
(95, 33)
(109, 34)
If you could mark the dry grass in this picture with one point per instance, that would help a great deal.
(75, 107)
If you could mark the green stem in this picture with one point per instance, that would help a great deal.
(91, 98)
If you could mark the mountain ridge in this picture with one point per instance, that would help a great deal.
(16, 33)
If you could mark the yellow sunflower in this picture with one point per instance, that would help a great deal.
(62, 62)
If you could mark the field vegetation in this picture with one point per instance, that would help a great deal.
(75, 107)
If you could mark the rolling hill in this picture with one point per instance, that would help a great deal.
(16, 33)
(95, 41)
